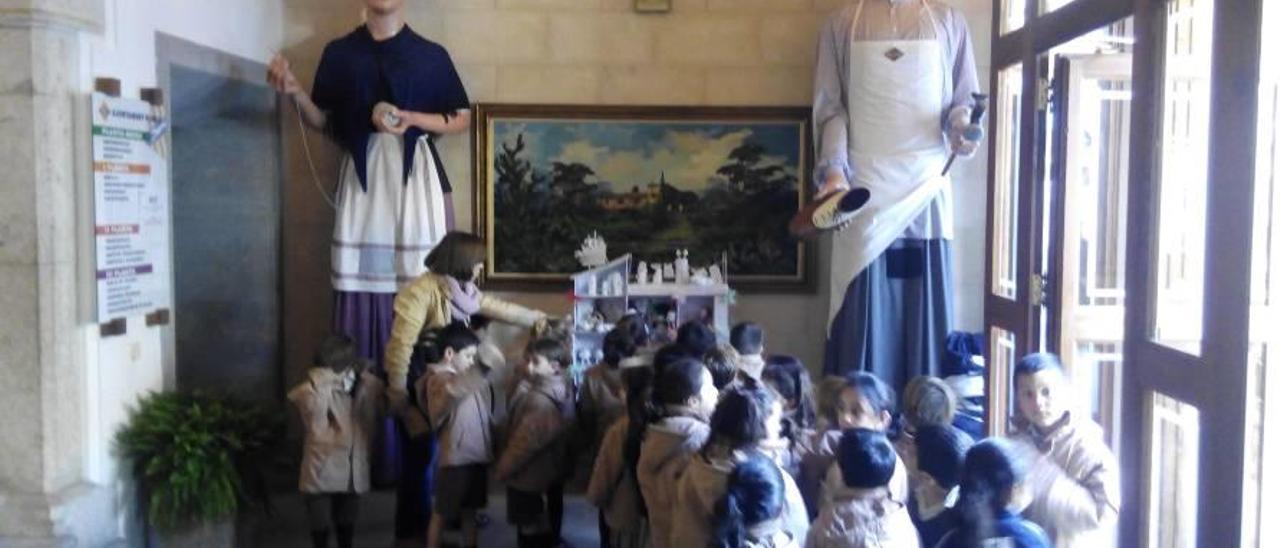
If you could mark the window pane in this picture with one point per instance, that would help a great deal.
(1005, 221)
(1095, 197)
(1013, 16)
(1173, 473)
(1262, 486)
(1183, 176)
(1004, 355)
(1047, 6)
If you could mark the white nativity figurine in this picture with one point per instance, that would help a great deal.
(593, 253)
(616, 284)
(642, 274)
(716, 276)
(700, 277)
(657, 274)
(668, 271)
(682, 267)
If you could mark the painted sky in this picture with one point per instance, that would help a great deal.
(628, 154)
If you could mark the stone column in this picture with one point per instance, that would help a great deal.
(44, 500)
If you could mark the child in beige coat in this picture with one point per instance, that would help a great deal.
(339, 403)
(684, 395)
(533, 463)
(1072, 475)
(459, 402)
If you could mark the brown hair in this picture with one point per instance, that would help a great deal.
(456, 255)
(551, 349)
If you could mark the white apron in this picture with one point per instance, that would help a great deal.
(382, 235)
(897, 89)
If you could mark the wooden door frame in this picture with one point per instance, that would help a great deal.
(1216, 381)
(1026, 45)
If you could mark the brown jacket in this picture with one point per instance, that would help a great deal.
(601, 395)
(339, 428)
(423, 305)
(664, 455)
(460, 408)
(535, 453)
(1075, 481)
(613, 488)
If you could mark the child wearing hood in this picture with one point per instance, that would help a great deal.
(683, 398)
(861, 512)
(750, 514)
(339, 403)
(613, 487)
(745, 417)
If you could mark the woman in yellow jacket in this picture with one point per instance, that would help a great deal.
(445, 294)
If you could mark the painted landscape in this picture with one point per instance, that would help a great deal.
(647, 188)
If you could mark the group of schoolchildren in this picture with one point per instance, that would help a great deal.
(697, 444)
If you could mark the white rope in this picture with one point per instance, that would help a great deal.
(315, 177)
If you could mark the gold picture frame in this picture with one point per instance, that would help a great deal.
(641, 189)
(653, 6)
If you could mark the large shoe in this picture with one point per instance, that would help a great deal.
(830, 212)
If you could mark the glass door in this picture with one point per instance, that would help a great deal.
(1086, 209)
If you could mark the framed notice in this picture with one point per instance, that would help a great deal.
(131, 207)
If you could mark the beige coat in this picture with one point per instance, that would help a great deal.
(817, 453)
(602, 404)
(424, 305)
(699, 493)
(664, 454)
(535, 455)
(858, 518)
(460, 408)
(339, 429)
(1075, 481)
(613, 489)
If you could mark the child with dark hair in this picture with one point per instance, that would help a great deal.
(989, 484)
(533, 464)
(339, 403)
(722, 361)
(935, 488)
(867, 402)
(684, 395)
(748, 339)
(696, 338)
(745, 417)
(1072, 475)
(600, 395)
(613, 487)
(459, 401)
(861, 511)
(789, 378)
(669, 354)
(748, 513)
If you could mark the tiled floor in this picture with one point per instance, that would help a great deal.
(375, 527)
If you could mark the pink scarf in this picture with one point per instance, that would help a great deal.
(464, 300)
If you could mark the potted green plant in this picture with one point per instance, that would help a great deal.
(197, 459)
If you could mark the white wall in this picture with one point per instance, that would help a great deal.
(120, 369)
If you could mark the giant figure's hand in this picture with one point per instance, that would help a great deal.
(281, 78)
(964, 135)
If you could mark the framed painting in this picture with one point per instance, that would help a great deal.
(653, 6)
(722, 183)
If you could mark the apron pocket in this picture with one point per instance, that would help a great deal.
(905, 263)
